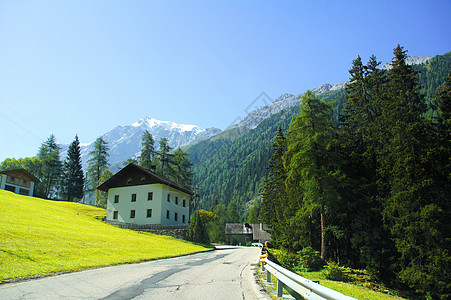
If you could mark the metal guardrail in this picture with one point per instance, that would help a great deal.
(298, 286)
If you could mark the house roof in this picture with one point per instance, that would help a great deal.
(117, 179)
(13, 172)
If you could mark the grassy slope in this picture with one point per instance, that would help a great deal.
(39, 237)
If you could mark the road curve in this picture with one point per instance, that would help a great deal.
(227, 273)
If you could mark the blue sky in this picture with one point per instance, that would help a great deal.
(84, 67)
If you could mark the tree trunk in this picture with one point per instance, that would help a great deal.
(323, 234)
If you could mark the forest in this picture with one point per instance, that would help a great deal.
(361, 175)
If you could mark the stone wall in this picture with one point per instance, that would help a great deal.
(177, 231)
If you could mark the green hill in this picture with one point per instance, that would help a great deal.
(40, 237)
(232, 167)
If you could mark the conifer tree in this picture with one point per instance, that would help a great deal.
(311, 160)
(147, 150)
(274, 197)
(182, 168)
(101, 196)
(165, 158)
(98, 162)
(413, 212)
(72, 182)
(49, 154)
(233, 215)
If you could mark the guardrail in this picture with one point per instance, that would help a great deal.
(298, 286)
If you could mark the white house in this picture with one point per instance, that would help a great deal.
(139, 196)
(18, 181)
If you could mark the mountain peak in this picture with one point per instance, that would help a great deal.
(150, 123)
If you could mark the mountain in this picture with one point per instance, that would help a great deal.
(125, 141)
(232, 167)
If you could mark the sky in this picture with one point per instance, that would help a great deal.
(85, 67)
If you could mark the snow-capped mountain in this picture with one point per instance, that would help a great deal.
(285, 101)
(124, 142)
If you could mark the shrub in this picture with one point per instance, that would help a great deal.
(311, 259)
(335, 272)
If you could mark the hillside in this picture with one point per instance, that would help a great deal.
(233, 167)
(41, 237)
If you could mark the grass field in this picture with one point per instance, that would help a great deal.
(41, 237)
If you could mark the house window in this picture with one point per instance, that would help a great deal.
(176, 216)
(133, 197)
(150, 196)
(169, 197)
(143, 178)
(184, 203)
(115, 213)
(176, 200)
(183, 218)
(12, 179)
(167, 214)
(132, 214)
(116, 199)
(149, 213)
(129, 180)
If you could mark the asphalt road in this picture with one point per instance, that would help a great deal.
(226, 273)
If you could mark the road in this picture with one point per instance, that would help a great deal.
(226, 273)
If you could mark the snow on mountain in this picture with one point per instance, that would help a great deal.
(410, 60)
(124, 142)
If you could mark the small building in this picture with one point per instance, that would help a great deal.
(18, 181)
(242, 234)
(141, 197)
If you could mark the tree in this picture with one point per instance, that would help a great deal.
(274, 209)
(363, 133)
(101, 196)
(73, 178)
(182, 168)
(98, 162)
(49, 154)
(165, 158)
(147, 150)
(232, 213)
(416, 209)
(311, 160)
(197, 231)
(253, 215)
(216, 229)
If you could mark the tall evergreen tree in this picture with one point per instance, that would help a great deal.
(165, 158)
(233, 215)
(362, 134)
(182, 168)
(72, 182)
(311, 160)
(147, 150)
(101, 196)
(274, 197)
(49, 154)
(412, 212)
(98, 162)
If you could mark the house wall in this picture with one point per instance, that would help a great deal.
(158, 204)
(18, 184)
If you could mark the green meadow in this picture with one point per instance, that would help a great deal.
(40, 237)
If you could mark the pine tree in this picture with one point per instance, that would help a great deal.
(49, 154)
(413, 212)
(233, 215)
(97, 163)
(165, 158)
(311, 160)
(182, 168)
(361, 136)
(274, 195)
(73, 178)
(147, 150)
(101, 196)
